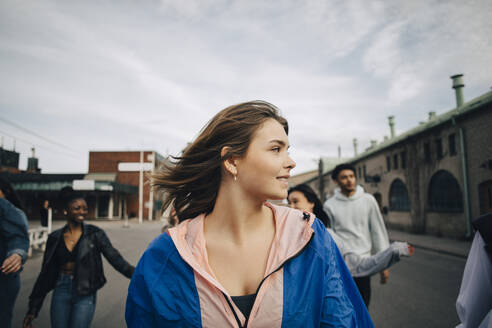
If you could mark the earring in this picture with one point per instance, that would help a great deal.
(235, 177)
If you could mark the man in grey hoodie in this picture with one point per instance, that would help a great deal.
(355, 217)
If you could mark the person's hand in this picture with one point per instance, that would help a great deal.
(384, 276)
(12, 264)
(411, 250)
(28, 321)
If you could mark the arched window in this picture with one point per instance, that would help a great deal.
(398, 196)
(445, 193)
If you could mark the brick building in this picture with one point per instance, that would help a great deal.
(434, 178)
(9, 161)
(124, 167)
(111, 187)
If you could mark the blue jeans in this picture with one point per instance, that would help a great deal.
(9, 285)
(68, 308)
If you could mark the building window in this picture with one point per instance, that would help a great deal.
(445, 193)
(398, 197)
(360, 175)
(395, 161)
(439, 153)
(365, 172)
(403, 159)
(388, 163)
(427, 152)
(452, 144)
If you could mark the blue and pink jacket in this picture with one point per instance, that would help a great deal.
(306, 282)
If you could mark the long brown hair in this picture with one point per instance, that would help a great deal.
(190, 182)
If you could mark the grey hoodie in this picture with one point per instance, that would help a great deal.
(358, 222)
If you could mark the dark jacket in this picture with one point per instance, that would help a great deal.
(88, 275)
(13, 231)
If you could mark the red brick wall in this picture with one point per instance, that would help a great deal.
(107, 162)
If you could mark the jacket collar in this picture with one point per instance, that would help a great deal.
(292, 232)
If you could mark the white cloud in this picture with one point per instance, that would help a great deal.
(151, 74)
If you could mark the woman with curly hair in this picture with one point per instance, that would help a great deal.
(72, 267)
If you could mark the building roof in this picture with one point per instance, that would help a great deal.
(41, 182)
(55, 182)
(101, 176)
(41, 177)
(329, 163)
(455, 113)
(301, 177)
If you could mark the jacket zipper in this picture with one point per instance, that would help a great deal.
(263, 280)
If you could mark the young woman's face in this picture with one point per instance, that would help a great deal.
(77, 210)
(298, 201)
(265, 168)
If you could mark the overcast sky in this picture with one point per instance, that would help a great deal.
(127, 75)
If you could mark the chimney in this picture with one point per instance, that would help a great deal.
(32, 163)
(458, 88)
(391, 120)
(374, 143)
(432, 116)
(386, 138)
(339, 152)
(355, 147)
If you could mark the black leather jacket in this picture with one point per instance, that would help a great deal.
(88, 275)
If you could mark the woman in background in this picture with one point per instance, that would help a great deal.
(304, 198)
(72, 266)
(14, 243)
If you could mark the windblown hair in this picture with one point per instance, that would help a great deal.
(10, 194)
(190, 182)
(311, 196)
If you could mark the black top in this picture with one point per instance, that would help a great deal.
(63, 255)
(244, 303)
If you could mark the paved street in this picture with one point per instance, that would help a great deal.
(421, 291)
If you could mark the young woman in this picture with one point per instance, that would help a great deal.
(14, 243)
(304, 198)
(236, 260)
(72, 266)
